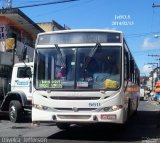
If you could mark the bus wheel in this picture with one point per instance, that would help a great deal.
(15, 111)
(63, 126)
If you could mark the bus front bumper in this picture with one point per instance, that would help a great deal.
(39, 115)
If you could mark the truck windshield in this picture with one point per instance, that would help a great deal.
(78, 70)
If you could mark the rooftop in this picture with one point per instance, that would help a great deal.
(22, 20)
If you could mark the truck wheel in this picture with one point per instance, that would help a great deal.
(15, 111)
(63, 126)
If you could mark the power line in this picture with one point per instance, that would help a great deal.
(154, 55)
(18, 3)
(54, 11)
(48, 3)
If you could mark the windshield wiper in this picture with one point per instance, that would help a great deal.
(91, 54)
(60, 54)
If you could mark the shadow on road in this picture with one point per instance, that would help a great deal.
(5, 117)
(143, 125)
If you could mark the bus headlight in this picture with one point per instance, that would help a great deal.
(41, 107)
(112, 108)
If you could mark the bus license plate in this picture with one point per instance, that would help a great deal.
(108, 117)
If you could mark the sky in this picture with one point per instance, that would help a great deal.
(137, 19)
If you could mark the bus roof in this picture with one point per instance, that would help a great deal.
(79, 36)
(83, 30)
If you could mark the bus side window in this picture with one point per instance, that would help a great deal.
(132, 70)
(126, 66)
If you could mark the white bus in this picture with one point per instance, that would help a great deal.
(84, 76)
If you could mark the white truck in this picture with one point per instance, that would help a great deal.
(15, 90)
(142, 93)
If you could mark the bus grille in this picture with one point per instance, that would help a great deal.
(73, 98)
(74, 116)
(77, 109)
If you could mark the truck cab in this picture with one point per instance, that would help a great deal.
(17, 101)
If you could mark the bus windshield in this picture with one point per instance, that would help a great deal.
(78, 68)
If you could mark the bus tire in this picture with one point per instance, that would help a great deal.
(15, 111)
(63, 126)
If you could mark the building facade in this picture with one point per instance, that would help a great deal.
(15, 21)
(51, 26)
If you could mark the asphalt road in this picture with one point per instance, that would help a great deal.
(143, 127)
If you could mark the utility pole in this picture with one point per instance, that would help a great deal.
(153, 72)
(158, 58)
(158, 67)
(155, 69)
